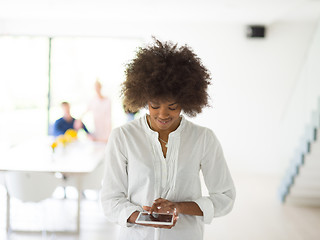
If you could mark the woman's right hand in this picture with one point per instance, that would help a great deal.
(133, 217)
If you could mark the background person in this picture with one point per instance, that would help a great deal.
(100, 106)
(67, 122)
(153, 163)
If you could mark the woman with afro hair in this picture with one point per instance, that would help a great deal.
(153, 163)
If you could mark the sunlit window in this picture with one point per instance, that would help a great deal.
(76, 63)
(23, 88)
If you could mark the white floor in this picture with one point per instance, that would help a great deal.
(257, 215)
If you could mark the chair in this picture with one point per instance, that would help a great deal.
(93, 180)
(89, 181)
(29, 187)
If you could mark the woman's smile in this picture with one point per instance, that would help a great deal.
(164, 122)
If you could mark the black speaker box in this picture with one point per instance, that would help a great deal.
(256, 31)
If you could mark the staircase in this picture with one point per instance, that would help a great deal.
(301, 183)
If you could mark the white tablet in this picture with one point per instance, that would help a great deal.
(155, 218)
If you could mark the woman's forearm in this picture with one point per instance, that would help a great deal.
(189, 208)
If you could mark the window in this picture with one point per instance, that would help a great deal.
(76, 63)
(23, 88)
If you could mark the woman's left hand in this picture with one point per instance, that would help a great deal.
(162, 205)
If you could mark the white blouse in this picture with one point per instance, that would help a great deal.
(137, 173)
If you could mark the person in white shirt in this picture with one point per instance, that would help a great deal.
(153, 163)
(100, 107)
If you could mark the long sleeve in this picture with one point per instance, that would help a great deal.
(85, 128)
(217, 179)
(114, 194)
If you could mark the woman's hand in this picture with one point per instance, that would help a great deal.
(162, 205)
(133, 217)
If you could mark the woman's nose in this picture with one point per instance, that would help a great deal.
(163, 113)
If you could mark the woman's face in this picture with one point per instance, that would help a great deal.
(164, 115)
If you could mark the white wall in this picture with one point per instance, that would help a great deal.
(254, 84)
(255, 81)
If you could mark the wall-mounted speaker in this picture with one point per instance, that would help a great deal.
(256, 31)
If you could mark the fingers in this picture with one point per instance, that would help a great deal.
(162, 205)
(153, 208)
(156, 206)
(175, 217)
(146, 208)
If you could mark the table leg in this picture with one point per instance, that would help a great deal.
(8, 212)
(79, 202)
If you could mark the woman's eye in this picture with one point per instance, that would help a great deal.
(172, 109)
(154, 107)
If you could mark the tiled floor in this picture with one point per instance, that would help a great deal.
(257, 215)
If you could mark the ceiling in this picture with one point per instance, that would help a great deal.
(243, 11)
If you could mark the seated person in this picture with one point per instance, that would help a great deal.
(67, 122)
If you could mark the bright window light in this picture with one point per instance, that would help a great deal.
(76, 63)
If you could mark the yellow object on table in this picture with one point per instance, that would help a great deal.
(69, 136)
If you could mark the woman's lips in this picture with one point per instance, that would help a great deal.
(163, 122)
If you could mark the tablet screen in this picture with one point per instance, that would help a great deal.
(155, 218)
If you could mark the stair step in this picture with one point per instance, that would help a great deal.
(306, 191)
(315, 147)
(303, 201)
(312, 159)
(306, 183)
(309, 172)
